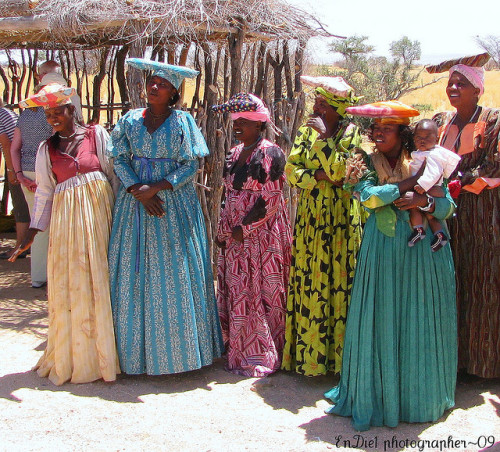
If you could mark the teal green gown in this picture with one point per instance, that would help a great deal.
(400, 352)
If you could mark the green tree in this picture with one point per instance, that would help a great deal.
(379, 78)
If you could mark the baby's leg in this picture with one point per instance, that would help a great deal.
(417, 223)
(439, 240)
(434, 224)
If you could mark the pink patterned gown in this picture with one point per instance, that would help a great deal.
(252, 275)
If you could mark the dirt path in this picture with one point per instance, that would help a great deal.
(205, 410)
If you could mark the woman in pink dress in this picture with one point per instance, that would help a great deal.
(255, 237)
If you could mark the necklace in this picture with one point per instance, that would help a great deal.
(69, 136)
(457, 139)
(160, 116)
(246, 148)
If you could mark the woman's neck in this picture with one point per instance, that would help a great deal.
(331, 126)
(159, 109)
(465, 114)
(251, 142)
(69, 131)
(393, 153)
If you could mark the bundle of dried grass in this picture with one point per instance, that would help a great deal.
(91, 23)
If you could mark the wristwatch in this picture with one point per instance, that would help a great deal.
(430, 204)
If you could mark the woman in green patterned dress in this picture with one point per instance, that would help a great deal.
(327, 232)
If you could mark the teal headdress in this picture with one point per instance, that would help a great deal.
(174, 74)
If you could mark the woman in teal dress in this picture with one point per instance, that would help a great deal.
(162, 288)
(400, 352)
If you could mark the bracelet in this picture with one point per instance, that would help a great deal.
(17, 172)
(10, 170)
(430, 204)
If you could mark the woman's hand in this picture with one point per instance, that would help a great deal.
(316, 123)
(144, 192)
(220, 244)
(28, 183)
(154, 206)
(411, 200)
(321, 175)
(11, 176)
(237, 233)
(24, 245)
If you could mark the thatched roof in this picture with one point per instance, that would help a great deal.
(93, 23)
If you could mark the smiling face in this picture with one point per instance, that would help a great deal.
(60, 118)
(461, 92)
(159, 91)
(387, 139)
(246, 131)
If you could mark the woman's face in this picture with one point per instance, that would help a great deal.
(387, 138)
(246, 131)
(324, 110)
(60, 118)
(461, 92)
(159, 90)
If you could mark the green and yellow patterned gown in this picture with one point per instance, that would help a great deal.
(327, 236)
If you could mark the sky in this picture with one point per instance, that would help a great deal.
(444, 28)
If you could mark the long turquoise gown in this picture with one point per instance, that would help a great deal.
(162, 288)
(400, 352)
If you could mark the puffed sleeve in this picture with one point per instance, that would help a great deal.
(120, 151)
(101, 139)
(373, 196)
(295, 169)
(45, 187)
(193, 144)
(486, 175)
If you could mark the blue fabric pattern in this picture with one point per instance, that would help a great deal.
(162, 289)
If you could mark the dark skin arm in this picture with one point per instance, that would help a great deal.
(408, 184)
(25, 244)
(237, 233)
(146, 194)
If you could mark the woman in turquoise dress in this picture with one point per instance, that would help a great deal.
(162, 287)
(400, 352)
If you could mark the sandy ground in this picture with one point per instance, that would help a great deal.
(204, 410)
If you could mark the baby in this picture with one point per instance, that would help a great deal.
(439, 163)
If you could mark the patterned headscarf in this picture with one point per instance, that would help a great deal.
(50, 96)
(475, 75)
(174, 74)
(338, 103)
(245, 105)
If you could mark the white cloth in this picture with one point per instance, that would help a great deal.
(441, 162)
(46, 182)
(40, 245)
